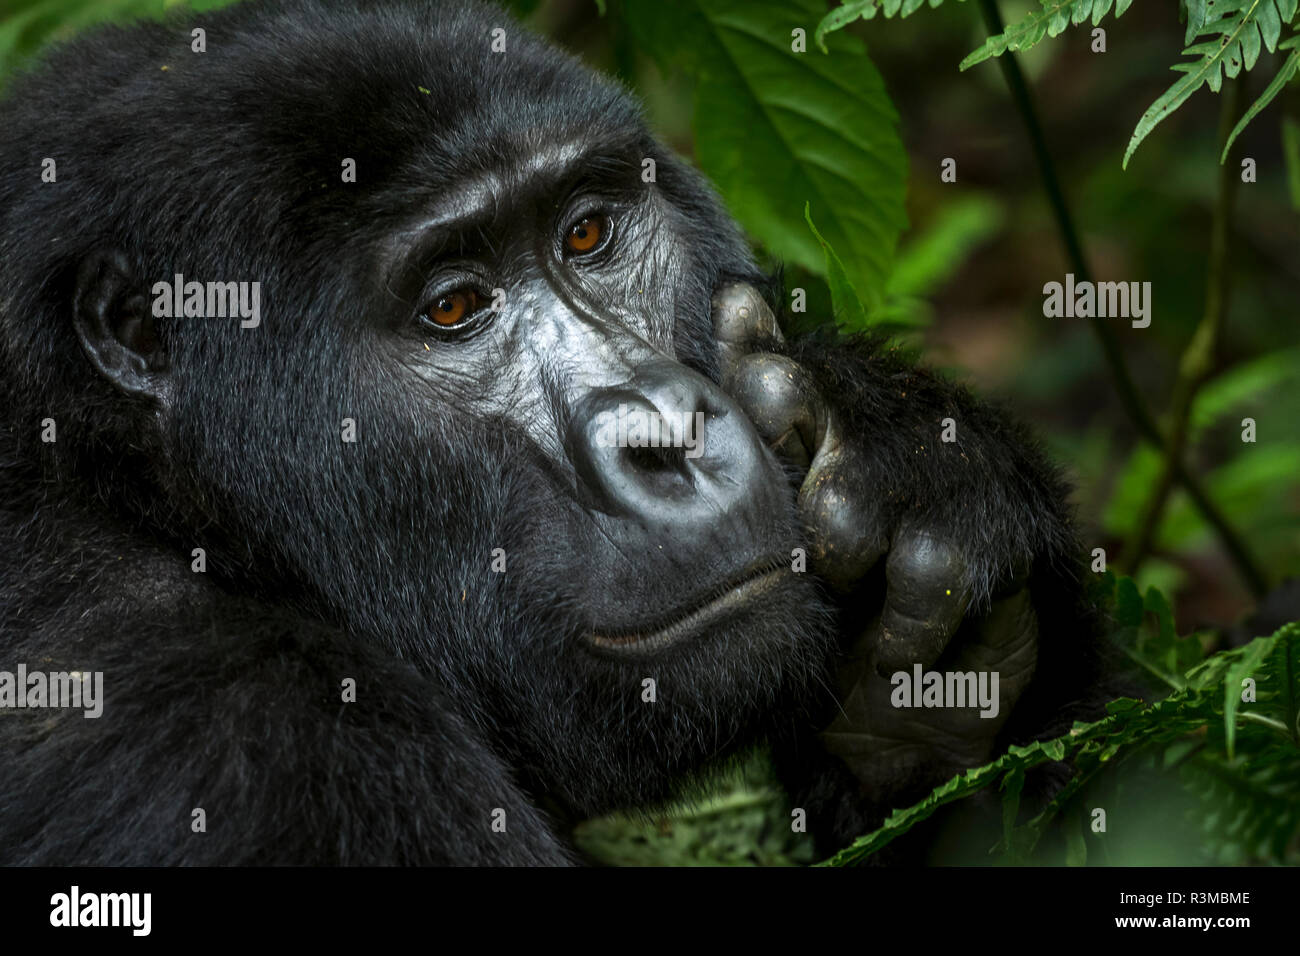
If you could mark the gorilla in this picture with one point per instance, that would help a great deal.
(328, 360)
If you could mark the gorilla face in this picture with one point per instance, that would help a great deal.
(456, 353)
(560, 304)
(577, 359)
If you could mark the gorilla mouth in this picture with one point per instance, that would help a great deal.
(692, 619)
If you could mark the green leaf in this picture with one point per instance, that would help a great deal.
(1145, 632)
(841, 17)
(775, 129)
(1290, 66)
(1239, 28)
(929, 258)
(1196, 13)
(1250, 811)
(1245, 666)
(1249, 382)
(1051, 20)
(850, 316)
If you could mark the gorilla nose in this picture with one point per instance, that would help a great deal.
(669, 448)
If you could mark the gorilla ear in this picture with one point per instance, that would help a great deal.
(116, 328)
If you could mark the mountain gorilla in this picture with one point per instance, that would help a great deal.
(365, 575)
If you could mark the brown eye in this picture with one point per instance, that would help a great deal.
(586, 235)
(454, 307)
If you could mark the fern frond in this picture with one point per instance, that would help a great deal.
(1051, 21)
(1240, 27)
(853, 10)
(1249, 813)
(1287, 72)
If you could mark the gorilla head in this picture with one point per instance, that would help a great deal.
(425, 439)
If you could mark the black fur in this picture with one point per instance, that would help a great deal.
(370, 561)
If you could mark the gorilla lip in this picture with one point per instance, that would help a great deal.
(692, 619)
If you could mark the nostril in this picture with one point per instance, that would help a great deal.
(666, 460)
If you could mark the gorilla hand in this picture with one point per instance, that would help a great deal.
(922, 618)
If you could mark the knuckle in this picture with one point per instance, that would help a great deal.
(740, 314)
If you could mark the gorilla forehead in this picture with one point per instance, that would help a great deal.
(413, 92)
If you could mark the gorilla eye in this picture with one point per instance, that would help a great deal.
(454, 307)
(587, 235)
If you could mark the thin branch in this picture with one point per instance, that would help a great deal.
(1129, 397)
(1198, 358)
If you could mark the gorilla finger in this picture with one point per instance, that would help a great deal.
(779, 397)
(1007, 643)
(741, 322)
(839, 512)
(925, 601)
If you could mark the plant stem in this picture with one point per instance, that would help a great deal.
(1129, 397)
(1198, 358)
(1277, 725)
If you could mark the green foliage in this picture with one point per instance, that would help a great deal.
(1237, 28)
(1051, 21)
(1230, 34)
(922, 265)
(777, 130)
(931, 257)
(1252, 489)
(847, 306)
(1243, 762)
(1242, 386)
(1238, 765)
(1249, 811)
(746, 822)
(1145, 631)
(1290, 66)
